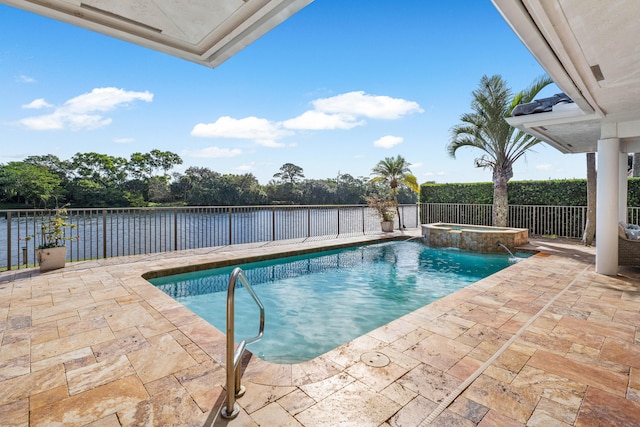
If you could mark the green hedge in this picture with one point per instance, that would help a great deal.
(475, 193)
(559, 192)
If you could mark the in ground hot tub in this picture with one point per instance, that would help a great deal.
(478, 238)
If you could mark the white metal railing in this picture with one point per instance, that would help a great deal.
(104, 233)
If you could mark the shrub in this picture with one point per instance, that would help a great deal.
(558, 192)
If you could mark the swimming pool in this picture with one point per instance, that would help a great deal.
(317, 302)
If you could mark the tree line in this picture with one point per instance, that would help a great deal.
(146, 179)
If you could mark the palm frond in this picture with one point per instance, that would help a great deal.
(394, 171)
(411, 182)
(486, 129)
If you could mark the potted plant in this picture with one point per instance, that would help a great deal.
(52, 252)
(385, 210)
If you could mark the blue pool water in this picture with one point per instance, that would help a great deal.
(316, 302)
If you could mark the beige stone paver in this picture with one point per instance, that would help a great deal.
(354, 405)
(274, 415)
(296, 402)
(96, 345)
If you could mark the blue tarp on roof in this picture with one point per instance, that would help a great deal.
(542, 105)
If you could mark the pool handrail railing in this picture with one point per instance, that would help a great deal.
(234, 387)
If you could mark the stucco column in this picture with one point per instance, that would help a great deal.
(607, 208)
(623, 188)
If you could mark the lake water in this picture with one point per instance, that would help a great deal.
(120, 232)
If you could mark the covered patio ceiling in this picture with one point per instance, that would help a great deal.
(206, 32)
(590, 49)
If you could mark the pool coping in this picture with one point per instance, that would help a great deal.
(268, 373)
(190, 268)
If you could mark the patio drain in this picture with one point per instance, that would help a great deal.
(375, 359)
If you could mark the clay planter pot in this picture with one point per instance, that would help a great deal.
(51, 258)
(387, 226)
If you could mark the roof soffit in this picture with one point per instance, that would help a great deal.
(574, 40)
(203, 31)
(587, 34)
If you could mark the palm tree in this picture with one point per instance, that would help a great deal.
(486, 129)
(395, 172)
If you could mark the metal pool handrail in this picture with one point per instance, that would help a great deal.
(234, 388)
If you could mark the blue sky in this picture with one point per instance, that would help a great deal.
(334, 89)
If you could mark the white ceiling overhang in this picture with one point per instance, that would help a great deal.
(590, 49)
(206, 32)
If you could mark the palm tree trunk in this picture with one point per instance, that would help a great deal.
(395, 200)
(394, 190)
(590, 226)
(500, 199)
(635, 165)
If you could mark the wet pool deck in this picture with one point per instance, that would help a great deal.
(547, 342)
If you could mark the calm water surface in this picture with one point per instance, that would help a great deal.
(317, 302)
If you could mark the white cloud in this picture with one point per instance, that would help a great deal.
(439, 173)
(543, 167)
(82, 111)
(338, 112)
(388, 141)
(271, 143)
(123, 140)
(415, 165)
(213, 153)
(86, 121)
(246, 168)
(318, 120)
(360, 104)
(104, 99)
(262, 131)
(47, 122)
(36, 104)
(25, 79)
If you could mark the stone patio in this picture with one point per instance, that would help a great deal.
(546, 342)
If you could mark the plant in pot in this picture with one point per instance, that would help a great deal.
(52, 252)
(383, 209)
